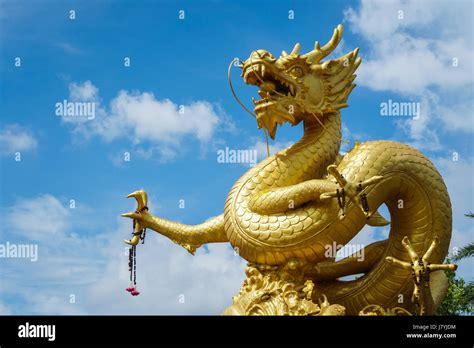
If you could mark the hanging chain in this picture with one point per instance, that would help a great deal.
(363, 198)
(130, 264)
(132, 259)
(341, 199)
(134, 266)
(143, 236)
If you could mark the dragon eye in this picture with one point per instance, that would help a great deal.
(296, 71)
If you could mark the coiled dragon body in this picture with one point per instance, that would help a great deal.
(289, 206)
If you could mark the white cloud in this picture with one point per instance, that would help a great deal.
(40, 218)
(458, 179)
(154, 127)
(457, 176)
(159, 121)
(82, 92)
(207, 280)
(458, 117)
(4, 310)
(415, 57)
(93, 267)
(424, 136)
(15, 138)
(62, 252)
(68, 48)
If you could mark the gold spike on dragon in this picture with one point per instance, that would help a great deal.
(282, 214)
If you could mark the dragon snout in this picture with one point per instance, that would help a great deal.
(257, 55)
(258, 63)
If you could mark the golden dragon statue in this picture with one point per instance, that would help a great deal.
(283, 213)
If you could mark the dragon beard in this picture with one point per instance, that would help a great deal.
(277, 103)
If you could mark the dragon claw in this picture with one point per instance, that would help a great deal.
(420, 269)
(131, 215)
(420, 265)
(354, 191)
(142, 200)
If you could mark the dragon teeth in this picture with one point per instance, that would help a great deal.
(292, 89)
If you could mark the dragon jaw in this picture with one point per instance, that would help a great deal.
(296, 87)
(276, 90)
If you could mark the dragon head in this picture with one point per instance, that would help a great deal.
(294, 87)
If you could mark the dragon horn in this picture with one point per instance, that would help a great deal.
(320, 52)
(296, 49)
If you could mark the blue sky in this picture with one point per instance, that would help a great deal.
(407, 56)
